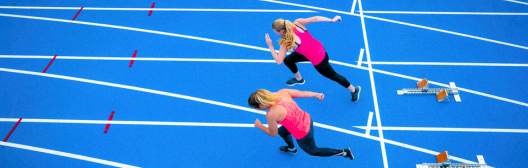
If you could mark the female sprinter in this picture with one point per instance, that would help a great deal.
(295, 36)
(283, 110)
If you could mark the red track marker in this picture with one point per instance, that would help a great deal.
(132, 60)
(49, 64)
(12, 129)
(78, 13)
(151, 6)
(109, 119)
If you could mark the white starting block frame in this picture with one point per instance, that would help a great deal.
(432, 91)
(449, 164)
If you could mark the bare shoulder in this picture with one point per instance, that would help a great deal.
(283, 92)
(276, 112)
(287, 93)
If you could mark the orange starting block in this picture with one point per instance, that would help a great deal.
(442, 94)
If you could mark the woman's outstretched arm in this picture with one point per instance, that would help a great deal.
(305, 21)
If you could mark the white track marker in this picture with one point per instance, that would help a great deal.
(353, 6)
(373, 88)
(360, 58)
(449, 64)
(453, 87)
(227, 105)
(369, 124)
(517, 2)
(65, 154)
(480, 159)
(447, 13)
(445, 129)
(156, 9)
(402, 23)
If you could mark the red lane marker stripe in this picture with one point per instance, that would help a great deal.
(151, 6)
(49, 64)
(132, 60)
(109, 119)
(78, 13)
(12, 129)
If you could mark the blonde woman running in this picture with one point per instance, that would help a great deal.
(283, 110)
(295, 36)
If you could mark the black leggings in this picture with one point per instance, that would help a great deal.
(323, 68)
(308, 143)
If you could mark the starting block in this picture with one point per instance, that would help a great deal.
(442, 161)
(441, 93)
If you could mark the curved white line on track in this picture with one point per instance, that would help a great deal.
(134, 29)
(123, 122)
(155, 9)
(449, 64)
(402, 23)
(444, 129)
(259, 61)
(517, 2)
(65, 154)
(448, 13)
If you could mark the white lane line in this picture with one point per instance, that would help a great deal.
(352, 10)
(135, 29)
(154, 9)
(447, 129)
(309, 7)
(517, 2)
(121, 122)
(369, 124)
(449, 64)
(136, 59)
(433, 83)
(447, 13)
(140, 89)
(360, 58)
(333, 128)
(403, 23)
(449, 32)
(65, 154)
(266, 61)
(373, 87)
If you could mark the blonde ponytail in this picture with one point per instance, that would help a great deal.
(289, 38)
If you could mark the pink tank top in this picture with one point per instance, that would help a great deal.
(296, 121)
(310, 47)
